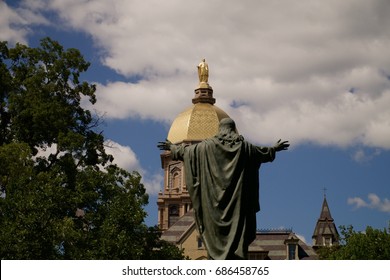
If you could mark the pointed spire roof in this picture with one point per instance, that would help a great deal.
(325, 212)
(325, 232)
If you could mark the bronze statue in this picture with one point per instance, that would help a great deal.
(222, 178)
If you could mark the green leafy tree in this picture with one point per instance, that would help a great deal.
(73, 203)
(372, 244)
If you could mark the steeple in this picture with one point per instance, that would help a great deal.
(325, 212)
(325, 232)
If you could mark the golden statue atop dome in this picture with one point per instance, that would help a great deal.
(203, 73)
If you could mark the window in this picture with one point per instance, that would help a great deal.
(291, 251)
(173, 216)
(176, 180)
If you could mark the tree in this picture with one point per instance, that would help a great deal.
(372, 244)
(74, 203)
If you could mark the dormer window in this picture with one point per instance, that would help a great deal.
(292, 249)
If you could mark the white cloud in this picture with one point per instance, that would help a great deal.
(363, 156)
(10, 25)
(153, 183)
(45, 152)
(374, 202)
(357, 201)
(16, 24)
(312, 71)
(145, 100)
(125, 158)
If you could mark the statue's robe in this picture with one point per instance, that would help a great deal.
(203, 72)
(223, 183)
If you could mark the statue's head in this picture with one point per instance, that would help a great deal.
(227, 124)
(228, 132)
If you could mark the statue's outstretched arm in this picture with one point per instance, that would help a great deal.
(165, 145)
(281, 145)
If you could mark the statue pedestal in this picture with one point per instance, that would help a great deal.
(203, 95)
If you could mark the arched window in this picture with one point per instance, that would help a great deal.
(176, 180)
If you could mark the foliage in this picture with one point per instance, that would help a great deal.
(372, 244)
(73, 203)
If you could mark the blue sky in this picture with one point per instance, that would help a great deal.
(315, 73)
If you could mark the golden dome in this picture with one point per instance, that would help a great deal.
(196, 123)
(201, 120)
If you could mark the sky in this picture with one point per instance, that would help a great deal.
(316, 73)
